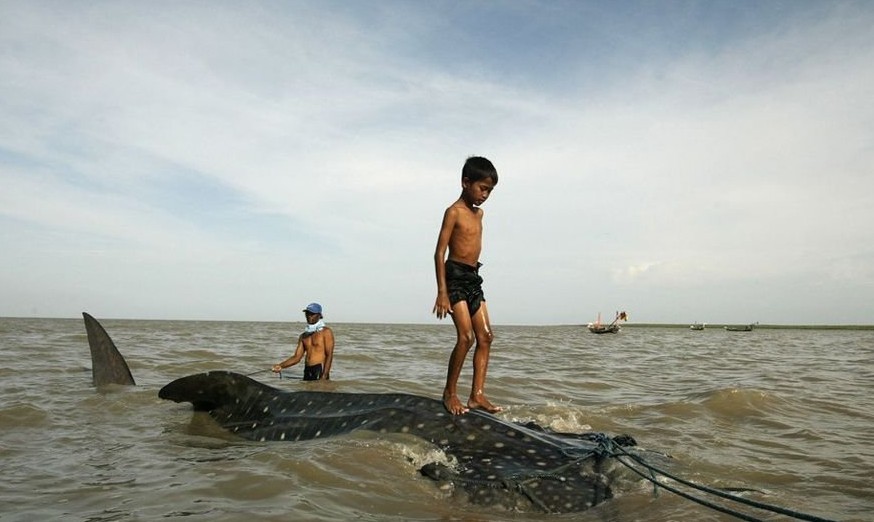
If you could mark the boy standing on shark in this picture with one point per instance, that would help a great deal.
(459, 285)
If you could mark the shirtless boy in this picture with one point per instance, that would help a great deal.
(317, 343)
(459, 286)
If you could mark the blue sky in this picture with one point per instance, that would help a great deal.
(683, 161)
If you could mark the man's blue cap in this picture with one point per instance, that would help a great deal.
(313, 308)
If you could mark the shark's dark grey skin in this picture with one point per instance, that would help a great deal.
(499, 462)
(107, 364)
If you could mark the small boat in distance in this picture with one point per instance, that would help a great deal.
(603, 328)
(741, 328)
(613, 327)
(697, 326)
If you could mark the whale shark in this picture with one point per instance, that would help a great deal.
(107, 364)
(499, 463)
(494, 462)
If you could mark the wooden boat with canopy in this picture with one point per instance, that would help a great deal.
(598, 328)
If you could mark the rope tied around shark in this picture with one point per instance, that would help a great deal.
(528, 483)
(500, 463)
(516, 466)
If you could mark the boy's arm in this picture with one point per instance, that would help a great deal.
(294, 359)
(442, 307)
(329, 353)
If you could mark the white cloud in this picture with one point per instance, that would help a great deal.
(268, 154)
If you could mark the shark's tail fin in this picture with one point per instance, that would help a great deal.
(107, 364)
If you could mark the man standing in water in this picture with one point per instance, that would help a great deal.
(316, 343)
(459, 285)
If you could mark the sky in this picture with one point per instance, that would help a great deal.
(680, 160)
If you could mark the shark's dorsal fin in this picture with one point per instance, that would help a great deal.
(107, 364)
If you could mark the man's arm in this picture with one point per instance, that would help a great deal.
(294, 359)
(329, 352)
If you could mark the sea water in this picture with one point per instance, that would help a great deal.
(784, 414)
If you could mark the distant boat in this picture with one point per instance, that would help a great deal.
(696, 326)
(598, 328)
(741, 328)
(603, 328)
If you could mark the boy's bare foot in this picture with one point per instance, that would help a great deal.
(453, 405)
(481, 403)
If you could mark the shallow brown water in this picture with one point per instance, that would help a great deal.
(786, 413)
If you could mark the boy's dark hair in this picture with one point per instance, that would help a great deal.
(477, 168)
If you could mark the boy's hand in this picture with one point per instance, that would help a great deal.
(442, 307)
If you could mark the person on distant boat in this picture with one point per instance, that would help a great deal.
(316, 343)
(459, 285)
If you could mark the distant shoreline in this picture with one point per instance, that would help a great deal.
(708, 326)
(759, 326)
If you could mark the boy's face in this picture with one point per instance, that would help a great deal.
(477, 192)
